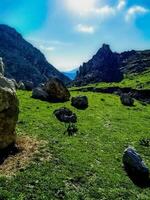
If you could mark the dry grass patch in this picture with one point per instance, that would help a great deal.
(17, 157)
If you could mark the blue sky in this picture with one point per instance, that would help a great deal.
(69, 32)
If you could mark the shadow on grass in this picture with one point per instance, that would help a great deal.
(140, 180)
(11, 150)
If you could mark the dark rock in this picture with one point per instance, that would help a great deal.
(23, 61)
(135, 167)
(103, 67)
(28, 85)
(80, 102)
(65, 115)
(21, 86)
(127, 100)
(56, 90)
(15, 83)
(39, 93)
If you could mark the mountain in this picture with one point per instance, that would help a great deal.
(23, 61)
(103, 67)
(71, 74)
(108, 66)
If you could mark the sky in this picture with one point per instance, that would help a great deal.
(70, 32)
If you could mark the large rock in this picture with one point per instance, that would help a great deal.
(80, 102)
(39, 93)
(126, 100)
(1, 66)
(56, 90)
(9, 110)
(135, 166)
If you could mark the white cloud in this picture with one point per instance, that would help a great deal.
(134, 11)
(121, 4)
(105, 11)
(85, 29)
(46, 48)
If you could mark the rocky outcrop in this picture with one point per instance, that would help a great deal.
(1, 66)
(108, 66)
(9, 110)
(103, 67)
(80, 102)
(53, 91)
(23, 62)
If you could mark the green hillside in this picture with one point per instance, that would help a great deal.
(87, 166)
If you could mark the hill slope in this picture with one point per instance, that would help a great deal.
(22, 60)
(108, 66)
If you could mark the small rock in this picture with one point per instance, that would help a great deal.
(126, 100)
(80, 102)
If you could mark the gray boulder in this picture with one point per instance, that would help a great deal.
(6, 83)
(9, 109)
(39, 93)
(21, 86)
(126, 100)
(135, 166)
(80, 102)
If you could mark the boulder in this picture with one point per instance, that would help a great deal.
(1, 66)
(28, 85)
(56, 90)
(15, 83)
(7, 83)
(80, 102)
(9, 109)
(126, 100)
(21, 86)
(65, 115)
(135, 166)
(39, 93)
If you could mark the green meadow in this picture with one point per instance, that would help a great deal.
(86, 166)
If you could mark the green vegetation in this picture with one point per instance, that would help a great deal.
(87, 166)
(135, 81)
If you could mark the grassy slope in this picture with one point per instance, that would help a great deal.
(87, 166)
(140, 81)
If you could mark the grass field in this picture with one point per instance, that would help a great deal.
(87, 166)
(135, 81)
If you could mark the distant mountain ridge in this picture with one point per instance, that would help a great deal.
(71, 74)
(108, 66)
(23, 61)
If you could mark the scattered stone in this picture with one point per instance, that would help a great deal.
(28, 85)
(39, 93)
(56, 90)
(145, 142)
(21, 86)
(80, 102)
(135, 167)
(9, 110)
(65, 115)
(127, 100)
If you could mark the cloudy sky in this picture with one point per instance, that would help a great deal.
(69, 32)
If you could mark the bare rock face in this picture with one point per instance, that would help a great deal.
(9, 109)
(56, 90)
(80, 102)
(1, 66)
